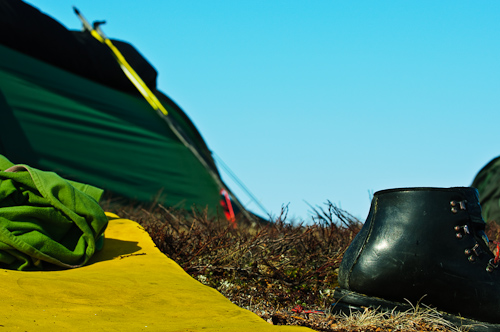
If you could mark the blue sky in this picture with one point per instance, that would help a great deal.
(309, 101)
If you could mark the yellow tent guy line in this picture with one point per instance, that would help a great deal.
(131, 74)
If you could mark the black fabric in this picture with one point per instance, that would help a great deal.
(27, 30)
(487, 182)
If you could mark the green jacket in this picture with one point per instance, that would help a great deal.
(46, 219)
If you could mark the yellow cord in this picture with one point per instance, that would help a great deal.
(131, 74)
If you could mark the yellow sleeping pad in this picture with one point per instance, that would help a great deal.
(128, 286)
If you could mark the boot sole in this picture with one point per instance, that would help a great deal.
(349, 301)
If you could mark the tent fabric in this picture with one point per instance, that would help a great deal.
(87, 132)
(67, 107)
(128, 286)
(487, 182)
(46, 219)
(36, 34)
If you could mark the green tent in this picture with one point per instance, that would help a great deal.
(67, 107)
(487, 182)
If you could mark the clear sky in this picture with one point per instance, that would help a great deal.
(309, 101)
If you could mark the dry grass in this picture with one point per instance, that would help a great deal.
(416, 319)
(284, 272)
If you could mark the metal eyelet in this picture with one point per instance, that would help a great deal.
(491, 265)
(458, 205)
(477, 250)
(473, 253)
(461, 231)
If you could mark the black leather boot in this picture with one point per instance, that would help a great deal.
(423, 245)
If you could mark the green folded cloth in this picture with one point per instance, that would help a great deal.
(46, 219)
